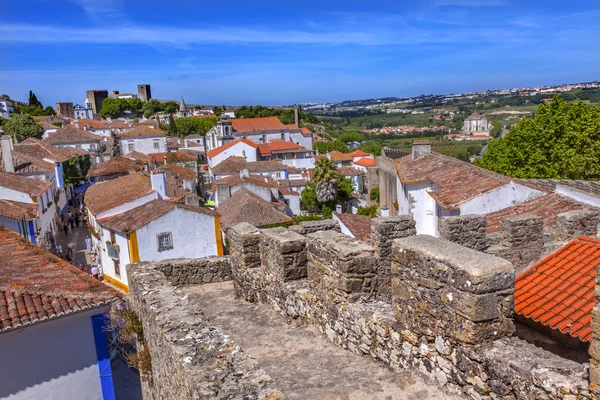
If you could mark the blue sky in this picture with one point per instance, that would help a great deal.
(263, 52)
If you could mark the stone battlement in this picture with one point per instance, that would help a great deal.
(411, 302)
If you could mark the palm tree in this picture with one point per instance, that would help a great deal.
(326, 178)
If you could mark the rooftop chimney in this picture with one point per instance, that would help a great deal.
(338, 208)
(7, 149)
(159, 183)
(420, 148)
(244, 173)
(385, 212)
(115, 92)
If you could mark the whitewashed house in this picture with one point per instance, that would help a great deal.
(430, 186)
(103, 128)
(194, 142)
(241, 148)
(144, 140)
(55, 338)
(85, 111)
(234, 165)
(71, 136)
(6, 107)
(132, 219)
(257, 130)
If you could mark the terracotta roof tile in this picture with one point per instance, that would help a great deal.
(143, 131)
(306, 131)
(104, 196)
(244, 206)
(136, 155)
(177, 171)
(459, 181)
(102, 124)
(358, 225)
(115, 166)
(18, 210)
(335, 155)
(547, 206)
(280, 146)
(138, 217)
(41, 150)
(179, 155)
(559, 290)
(69, 134)
(348, 171)
(35, 285)
(218, 150)
(235, 164)
(359, 153)
(366, 162)
(254, 179)
(31, 186)
(240, 125)
(27, 165)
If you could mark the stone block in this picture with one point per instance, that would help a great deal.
(283, 255)
(466, 230)
(442, 289)
(575, 223)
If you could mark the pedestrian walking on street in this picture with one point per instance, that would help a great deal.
(66, 229)
(95, 271)
(59, 250)
(77, 221)
(71, 250)
(72, 222)
(88, 244)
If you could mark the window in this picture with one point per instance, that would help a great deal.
(156, 145)
(165, 241)
(92, 147)
(130, 146)
(117, 264)
(78, 146)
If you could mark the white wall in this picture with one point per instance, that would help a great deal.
(144, 145)
(294, 203)
(577, 195)
(128, 206)
(499, 199)
(193, 236)
(302, 163)
(261, 191)
(53, 360)
(108, 266)
(81, 146)
(9, 194)
(424, 209)
(239, 150)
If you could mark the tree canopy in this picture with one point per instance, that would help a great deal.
(23, 126)
(113, 107)
(33, 100)
(189, 126)
(562, 141)
(326, 147)
(285, 116)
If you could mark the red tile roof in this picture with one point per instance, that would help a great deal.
(547, 206)
(143, 131)
(460, 181)
(102, 124)
(358, 153)
(306, 131)
(136, 155)
(35, 285)
(233, 165)
(358, 225)
(27, 165)
(218, 150)
(254, 179)
(559, 290)
(348, 171)
(335, 155)
(18, 210)
(38, 149)
(179, 155)
(244, 206)
(177, 171)
(114, 166)
(140, 216)
(30, 186)
(366, 162)
(257, 124)
(280, 146)
(69, 134)
(292, 126)
(104, 196)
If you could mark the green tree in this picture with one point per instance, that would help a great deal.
(370, 211)
(218, 111)
(113, 107)
(374, 194)
(371, 148)
(134, 104)
(152, 107)
(326, 147)
(189, 126)
(33, 101)
(326, 178)
(172, 126)
(171, 107)
(3, 121)
(48, 110)
(496, 129)
(23, 126)
(351, 137)
(308, 198)
(562, 141)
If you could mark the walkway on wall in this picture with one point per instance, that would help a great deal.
(300, 360)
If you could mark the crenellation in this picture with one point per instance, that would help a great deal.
(466, 230)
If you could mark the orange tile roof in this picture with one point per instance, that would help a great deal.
(291, 126)
(558, 291)
(233, 165)
(460, 181)
(28, 165)
(179, 155)
(136, 155)
(104, 196)
(358, 225)
(31, 186)
(102, 124)
(245, 206)
(347, 171)
(547, 206)
(177, 171)
(335, 155)
(358, 153)
(35, 285)
(114, 166)
(143, 131)
(258, 180)
(280, 146)
(38, 149)
(70, 134)
(257, 124)
(366, 162)
(216, 151)
(17, 210)
(140, 216)
(306, 131)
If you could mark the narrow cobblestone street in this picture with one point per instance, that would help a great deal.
(77, 236)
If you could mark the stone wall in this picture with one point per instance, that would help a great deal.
(466, 230)
(576, 223)
(307, 227)
(388, 181)
(383, 232)
(195, 271)
(191, 359)
(450, 316)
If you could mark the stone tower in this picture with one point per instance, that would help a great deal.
(144, 93)
(96, 97)
(65, 109)
(297, 111)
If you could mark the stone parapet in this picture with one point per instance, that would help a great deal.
(466, 230)
(244, 248)
(197, 270)
(340, 268)
(283, 255)
(441, 288)
(306, 227)
(190, 358)
(571, 224)
(383, 232)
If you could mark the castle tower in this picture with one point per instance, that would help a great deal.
(144, 93)
(96, 97)
(183, 110)
(65, 109)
